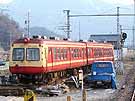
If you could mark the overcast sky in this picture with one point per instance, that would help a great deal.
(49, 14)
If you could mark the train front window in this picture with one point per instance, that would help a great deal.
(18, 54)
(32, 54)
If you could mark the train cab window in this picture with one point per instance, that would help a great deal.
(18, 54)
(33, 54)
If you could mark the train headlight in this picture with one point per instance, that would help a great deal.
(94, 73)
(26, 40)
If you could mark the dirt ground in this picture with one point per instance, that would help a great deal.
(125, 84)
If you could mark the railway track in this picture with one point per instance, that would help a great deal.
(133, 96)
(14, 89)
(127, 86)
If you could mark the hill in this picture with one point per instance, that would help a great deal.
(9, 31)
(42, 31)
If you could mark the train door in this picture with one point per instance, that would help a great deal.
(69, 56)
(87, 55)
(84, 55)
(103, 54)
(92, 55)
(50, 60)
(94, 52)
(45, 58)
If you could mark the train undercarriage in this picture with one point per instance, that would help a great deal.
(47, 78)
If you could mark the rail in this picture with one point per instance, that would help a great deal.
(133, 96)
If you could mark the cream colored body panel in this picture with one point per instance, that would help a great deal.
(41, 62)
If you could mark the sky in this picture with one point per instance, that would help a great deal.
(49, 14)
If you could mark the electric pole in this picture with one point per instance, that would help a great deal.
(121, 43)
(28, 23)
(118, 20)
(67, 23)
(79, 32)
(133, 38)
(118, 43)
(133, 29)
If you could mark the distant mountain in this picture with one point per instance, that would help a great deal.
(9, 31)
(43, 32)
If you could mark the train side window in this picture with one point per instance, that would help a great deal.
(59, 54)
(55, 54)
(77, 52)
(62, 54)
(105, 52)
(72, 52)
(65, 53)
(100, 52)
(110, 51)
(82, 51)
(95, 52)
(89, 52)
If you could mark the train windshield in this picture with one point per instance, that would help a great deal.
(32, 54)
(18, 54)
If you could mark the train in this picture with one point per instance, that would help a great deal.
(38, 58)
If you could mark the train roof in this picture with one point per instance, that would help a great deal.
(55, 42)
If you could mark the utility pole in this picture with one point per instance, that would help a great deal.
(118, 20)
(97, 15)
(118, 43)
(28, 23)
(133, 38)
(67, 23)
(79, 32)
(134, 30)
(122, 44)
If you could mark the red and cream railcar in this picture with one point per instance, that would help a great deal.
(40, 56)
(64, 55)
(99, 52)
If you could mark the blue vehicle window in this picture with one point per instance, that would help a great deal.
(103, 65)
(18, 54)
